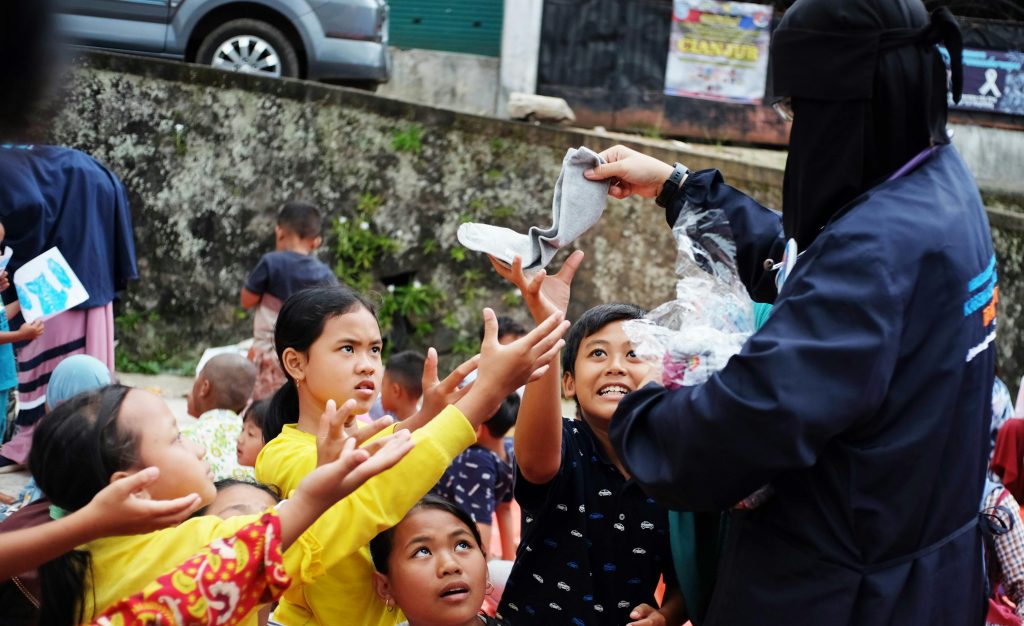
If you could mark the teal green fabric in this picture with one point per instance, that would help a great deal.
(697, 537)
(761, 313)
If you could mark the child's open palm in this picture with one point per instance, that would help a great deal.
(342, 466)
(543, 294)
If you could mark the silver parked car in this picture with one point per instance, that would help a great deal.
(330, 40)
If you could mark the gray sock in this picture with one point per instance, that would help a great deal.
(576, 206)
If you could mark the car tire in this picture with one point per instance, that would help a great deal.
(250, 46)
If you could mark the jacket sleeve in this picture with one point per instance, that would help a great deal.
(823, 359)
(756, 230)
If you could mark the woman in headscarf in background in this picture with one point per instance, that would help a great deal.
(52, 196)
(865, 399)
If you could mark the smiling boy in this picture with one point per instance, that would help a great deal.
(594, 545)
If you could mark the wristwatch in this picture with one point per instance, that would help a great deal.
(672, 185)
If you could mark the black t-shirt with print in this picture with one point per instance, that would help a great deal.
(593, 544)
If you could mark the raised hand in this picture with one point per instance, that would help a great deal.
(118, 508)
(543, 294)
(631, 173)
(337, 424)
(437, 394)
(508, 367)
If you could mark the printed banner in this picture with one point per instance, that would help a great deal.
(47, 285)
(718, 50)
(993, 81)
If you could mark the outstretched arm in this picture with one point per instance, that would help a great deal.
(113, 511)
(538, 438)
(756, 229)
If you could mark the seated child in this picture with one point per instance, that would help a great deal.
(291, 267)
(594, 546)
(402, 386)
(432, 567)
(219, 393)
(480, 479)
(250, 438)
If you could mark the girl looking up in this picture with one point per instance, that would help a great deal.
(101, 436)
(432, 566)
(329, 344)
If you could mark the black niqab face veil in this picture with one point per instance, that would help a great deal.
(868, 90)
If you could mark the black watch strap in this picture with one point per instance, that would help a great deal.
(671, 186)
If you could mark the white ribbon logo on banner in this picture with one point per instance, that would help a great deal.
(990, 85)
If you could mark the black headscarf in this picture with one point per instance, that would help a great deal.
(868, 91)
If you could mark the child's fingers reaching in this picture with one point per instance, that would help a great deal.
(429, 378)
(539, 372)
(646, 615)
(453, 380)
(363, 433)
(390, 453)
(548, 342)
(568, 270)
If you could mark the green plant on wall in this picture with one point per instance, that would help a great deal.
(358, 247)
(420, 304)
(408, 139)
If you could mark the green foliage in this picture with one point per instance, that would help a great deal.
(498, 144)
(429, 246)
(493, 174)
(512, 299)
(409, 139)
(458, 254)
(502, 212)
(180, 144)
(358, 247)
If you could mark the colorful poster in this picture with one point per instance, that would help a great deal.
(47, 286)
(993, 81)
(718, 50)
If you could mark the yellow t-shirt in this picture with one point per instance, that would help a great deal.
(345, 594)
(122, 566)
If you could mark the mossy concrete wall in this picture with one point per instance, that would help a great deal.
(208, 157)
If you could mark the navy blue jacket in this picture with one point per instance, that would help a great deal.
(865, 400)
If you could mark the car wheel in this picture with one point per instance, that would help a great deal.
(251, 47)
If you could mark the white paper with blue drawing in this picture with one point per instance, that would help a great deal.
(47, 286)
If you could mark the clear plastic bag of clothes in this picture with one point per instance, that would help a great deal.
(693, 336)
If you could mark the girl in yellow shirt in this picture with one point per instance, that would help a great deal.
(329, 344)
(104, 435)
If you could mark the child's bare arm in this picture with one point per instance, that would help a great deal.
(249, 299)
(28, 332)
(12, 309)
(538, 438)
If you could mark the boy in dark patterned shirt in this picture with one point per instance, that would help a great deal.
(594, 545)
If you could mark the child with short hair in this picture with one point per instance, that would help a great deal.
(594, 545)
(291, 267)
(432, 567)
(402, 387)
(329, 344)
(480, 479)
(219, 393)
(251, 438)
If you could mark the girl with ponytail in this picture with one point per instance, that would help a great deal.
(329, 344)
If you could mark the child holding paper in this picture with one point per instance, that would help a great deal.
(8, 366)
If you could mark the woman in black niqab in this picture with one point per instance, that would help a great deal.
(868, 91)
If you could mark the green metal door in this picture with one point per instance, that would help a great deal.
(470, 26)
